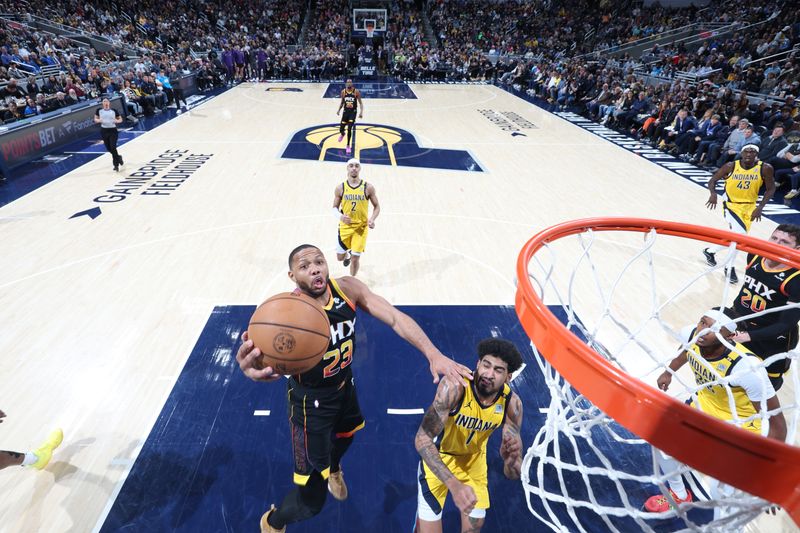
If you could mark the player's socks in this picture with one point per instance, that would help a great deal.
(29, 459)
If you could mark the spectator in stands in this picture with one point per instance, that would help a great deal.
(719, 138)
(13, 113)
(705, 131)
(59, 101)
(734, 139)
(784, 116)
(735, 151)
(72, 97)
(132, 98)
(773, 144)
(30, 109)
(683, 123)
(12, 90)
(150, 99)
(641, 106)
(604, 97)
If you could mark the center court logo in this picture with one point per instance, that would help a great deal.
(376, 144)
(284, 90)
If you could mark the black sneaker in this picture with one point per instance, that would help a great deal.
(116, 168)
(733, 279)
(709, 257)
(121, 162)
(346, 261)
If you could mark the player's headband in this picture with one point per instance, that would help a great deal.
(750, 147)
(353, 160)
(722, 319)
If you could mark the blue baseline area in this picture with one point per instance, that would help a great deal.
(31, 176)
(210, 465)
(389, 90)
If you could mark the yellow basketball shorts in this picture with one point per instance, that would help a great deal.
(353, 238)
(432, 491)
(739, 215)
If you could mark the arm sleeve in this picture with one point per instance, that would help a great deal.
(753, 379)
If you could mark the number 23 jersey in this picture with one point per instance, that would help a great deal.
(334, 368)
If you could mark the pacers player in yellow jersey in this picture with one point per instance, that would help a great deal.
(351, 201)
(743, 180)
(351, 102)
(452, 438)
(748, 386)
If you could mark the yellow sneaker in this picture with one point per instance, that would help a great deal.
(337, 486)
(265, 527)
(45, 451)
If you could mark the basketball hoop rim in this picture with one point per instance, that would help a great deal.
(761, 466)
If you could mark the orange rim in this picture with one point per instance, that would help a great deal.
(761, 466)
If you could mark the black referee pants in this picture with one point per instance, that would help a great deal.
(110, 136)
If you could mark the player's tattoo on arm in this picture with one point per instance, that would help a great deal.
(514, 417)
(432, 425)
(475, 525)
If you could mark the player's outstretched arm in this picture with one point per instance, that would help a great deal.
(447, 395)
(247, 357)
(405, 327)
(511, 446)
(666, 377)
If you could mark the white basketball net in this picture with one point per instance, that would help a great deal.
(585, 472)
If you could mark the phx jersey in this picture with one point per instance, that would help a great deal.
(766, 289)
(350, 104)
(334, 368)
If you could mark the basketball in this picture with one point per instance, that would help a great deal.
(292, 331)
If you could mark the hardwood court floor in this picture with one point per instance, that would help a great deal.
(101, 311)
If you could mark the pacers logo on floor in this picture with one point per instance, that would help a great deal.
(284, 90)
(375, 144)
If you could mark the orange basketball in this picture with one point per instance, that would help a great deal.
(292, 331)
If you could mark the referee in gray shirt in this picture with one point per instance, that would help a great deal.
(108, 119)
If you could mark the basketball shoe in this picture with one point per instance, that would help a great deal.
(660, 503)
(709, 257)
(265, 527)
(45, 451)
(337, 486)
(347, 258)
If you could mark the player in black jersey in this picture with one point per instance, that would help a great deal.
(323, 407)
(769, 285)
(351, 102)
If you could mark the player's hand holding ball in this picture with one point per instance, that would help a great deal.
(248, 357)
